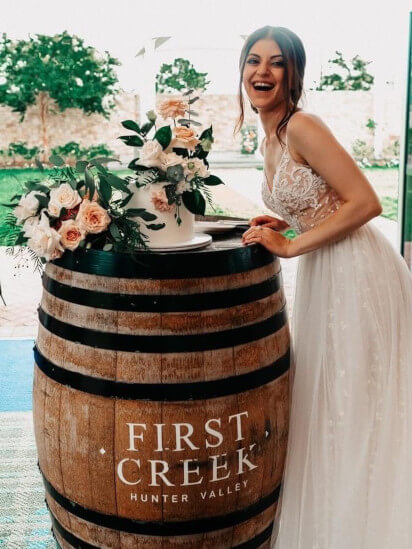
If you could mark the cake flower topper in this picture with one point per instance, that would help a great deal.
(175, 155)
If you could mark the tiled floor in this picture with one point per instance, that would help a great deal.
(24, 519)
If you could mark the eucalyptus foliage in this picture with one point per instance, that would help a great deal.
(180, 75)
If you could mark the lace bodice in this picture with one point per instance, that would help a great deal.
(299, 196)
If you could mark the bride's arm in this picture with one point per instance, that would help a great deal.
(313, 140)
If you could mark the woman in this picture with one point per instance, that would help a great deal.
(347, 481)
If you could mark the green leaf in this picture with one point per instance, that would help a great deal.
(212, 180)
(21, 239)
(134, 165)
(156, 227)
(9, 205)
(147, 216)
(39, 164)
(56, 160)
(135, 211)
(101, 169)
(164, 136)
(104, 190)
(43, 200)
(102, 160)
(141, 212)
(187, 121)
(207, 134)
(118, 183)
(36, 186)
(126, 200)
(90, 183)
(72, 182)
(132, 140)
(188, 92)
(131, 125)
(81, 165)
(193, 113)
(193, 100)
(145, 129)
(194, 202)
(200, 153)
(115, 232)
(181, 152)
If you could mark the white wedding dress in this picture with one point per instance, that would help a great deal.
(347, 482)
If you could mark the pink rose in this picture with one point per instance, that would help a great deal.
(92, 218)
(71, 234)
(160, 202)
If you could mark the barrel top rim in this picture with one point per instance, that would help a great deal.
(200, 263)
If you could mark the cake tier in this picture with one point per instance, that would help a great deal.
(172, 233)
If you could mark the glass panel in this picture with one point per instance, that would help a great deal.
(406, 195)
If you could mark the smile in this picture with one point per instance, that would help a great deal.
(263, 86)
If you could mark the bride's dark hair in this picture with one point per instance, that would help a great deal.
(295, 60)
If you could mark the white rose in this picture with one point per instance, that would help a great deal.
(28, 206)
(54, 209)
(170, 159)
(63, 196)
(45, 241)
(196, 166)
(29, 226)
(150, 153)
(182, 187)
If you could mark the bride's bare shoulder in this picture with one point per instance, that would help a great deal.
(301, 120)
(306, 126)
(303, 128)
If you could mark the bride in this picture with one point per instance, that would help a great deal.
(347, 481)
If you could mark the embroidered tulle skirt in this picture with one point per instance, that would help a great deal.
(347, 482)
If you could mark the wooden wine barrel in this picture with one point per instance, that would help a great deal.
(160, 397)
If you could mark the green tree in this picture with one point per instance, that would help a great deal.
(354, 77)
(58, 72)
(180, 75)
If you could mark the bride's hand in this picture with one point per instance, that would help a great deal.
(270, 222)
(273, 241)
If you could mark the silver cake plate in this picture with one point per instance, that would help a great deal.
(198, 241)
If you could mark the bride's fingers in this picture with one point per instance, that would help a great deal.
(250, 231)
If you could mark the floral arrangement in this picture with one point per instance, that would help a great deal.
(77, 207)
(249, 140)
(175, 156)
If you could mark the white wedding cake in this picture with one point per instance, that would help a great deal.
(152, 198)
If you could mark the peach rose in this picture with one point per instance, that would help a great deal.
(92, 218)
(184, 138)
(160, 201)
(172, 108)
(71, 234)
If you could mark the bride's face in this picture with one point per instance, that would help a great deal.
(265, 65)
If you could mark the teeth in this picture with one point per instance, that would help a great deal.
(264, 85)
